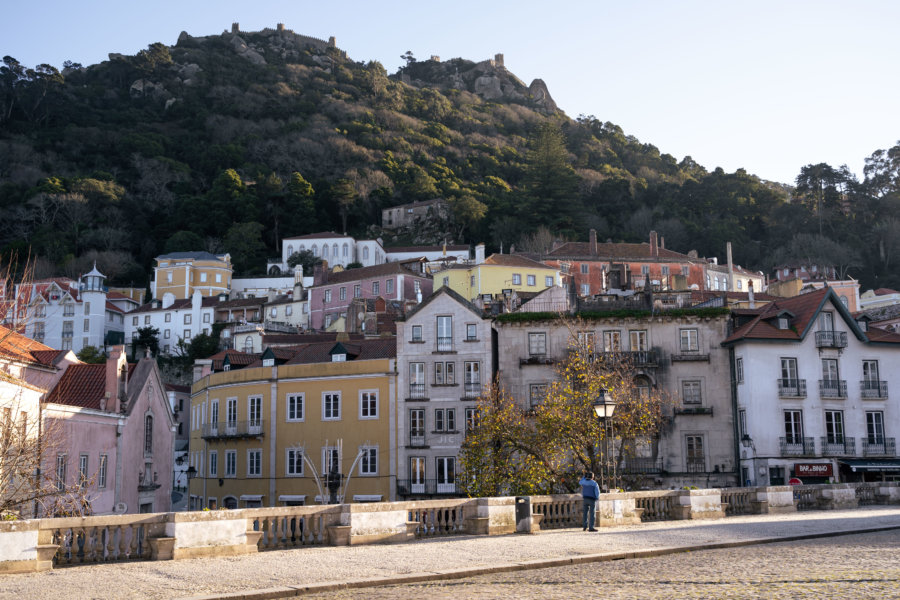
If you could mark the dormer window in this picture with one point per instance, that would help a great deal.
(338, 358)
(783, 323)
(268, 362)
(863, 324)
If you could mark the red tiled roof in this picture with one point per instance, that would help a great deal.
(885, 292)
(617, 252)
(514, 260)
(81, 385)
(425, 248)
(371, 349)
(19, 347)
(391, 268)
(46, 357)
(113, 307)
(317, 236)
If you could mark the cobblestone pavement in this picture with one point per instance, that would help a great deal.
(320, 565)
(856, 566)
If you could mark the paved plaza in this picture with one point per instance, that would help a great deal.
(864, 564)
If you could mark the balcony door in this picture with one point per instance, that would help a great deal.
(875, 427)
(834, 427)
(830, 370)
(444, 334)
(789, 371)
(446, 475)
(793, 427)
(231, 416)
(417, 474)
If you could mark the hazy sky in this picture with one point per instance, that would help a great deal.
(764, 86)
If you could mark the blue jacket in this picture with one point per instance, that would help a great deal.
(589, 488)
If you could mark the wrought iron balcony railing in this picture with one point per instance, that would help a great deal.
(873, 389)
(233, 429)
(792, 388)
(797, 446)
(636, 358)
(425, 487)
(831, 339)
(832, 388)
(838, 446)
(444, 344)
(879, 446)
(417, 438)
(417, 390)
(472, 389)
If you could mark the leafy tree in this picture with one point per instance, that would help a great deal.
(184, 241)
(344, 194)
(306, 259)
(467, 212)
(817, 253)
(91, 355)
(147, 339)
(245, 244)
(408, 57)
(552, 183)
(300, 205)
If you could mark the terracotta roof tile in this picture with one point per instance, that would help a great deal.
(19, 347)
(609, 251)
(81, 385)
(514, 260)
(391, 268)
(371, 349)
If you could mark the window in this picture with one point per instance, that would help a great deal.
(368, 404)
(168, 276)
(638, 340)
(548, 281)
(365, 253)
(327, 320)
(82, 470)
(690, 341)
(231, 413)
(645, 269)
(789, 371)
(134, 321)
(586, 340)
(875, 427)
(417, 474)
(444, 334)
(690, 392)
(61, 464)
(584, 269)
(696, 459)
(87, 325)
(471, 418)
(187, 319)
(357, 291)
(331, 406)
(870, 371)
(343, 293)
(517, 279)
(826, 321)
(472, 281)
(830, 370)
(40, 311)
(187, 334)
(740, 285)
(213, 463)
(376, 288)
(612, 341)
(254, 411)
(230, 463)
(665, 270)
(148, 434)
(295, 407)
(793, 427)
(445, 419)
(327, 295)
(742, 424)
(444, 373)
(368, 463)
(739, 370)
(685, 271)
(585, 289)
(167, 334)
(531, 280)
(446, 474)
(206, 317)
(473, 377)
(417, 427)
(536, 393)
(417, 380)
(471, 332)
(101, 471)
(293, 464)
(834, 427)
(146, 319)
(345, 250)
(389, 286)
(537, 344)
(68, 309)
(416, 333)
(254, 463)
(39, 332)
(214, 411)
(218, 278)
(202, 277)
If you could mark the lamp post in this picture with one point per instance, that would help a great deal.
(604, 406)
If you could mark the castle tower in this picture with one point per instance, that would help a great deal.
(498, 60)
(235, 28)
(93, 302)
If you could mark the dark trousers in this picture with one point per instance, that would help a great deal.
(590, 507)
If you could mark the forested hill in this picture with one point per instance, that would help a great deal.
(232, 141)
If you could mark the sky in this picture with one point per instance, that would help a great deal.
(765, 86)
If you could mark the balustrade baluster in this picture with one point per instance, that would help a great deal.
(132, 550)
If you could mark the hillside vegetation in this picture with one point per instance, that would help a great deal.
(231, 142)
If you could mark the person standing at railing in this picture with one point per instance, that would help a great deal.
(590, 493)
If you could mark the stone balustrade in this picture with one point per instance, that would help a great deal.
(43, 544)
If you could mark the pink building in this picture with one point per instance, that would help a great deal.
(332, 293)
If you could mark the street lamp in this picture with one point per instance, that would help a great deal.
(604, 406)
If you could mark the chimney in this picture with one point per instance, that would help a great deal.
(202, 368)
(593, 238)
(115, 381)
(320, 274)
(270, 296)
(730, 267)
(654, 247)
(752, 302)
(479, 254)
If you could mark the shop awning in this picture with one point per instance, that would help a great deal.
(872, 465)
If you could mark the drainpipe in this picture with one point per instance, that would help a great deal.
(734, 418)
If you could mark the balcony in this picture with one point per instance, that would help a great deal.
(797, 446)
(831, 339)
(879, 446)
(690, 355)
(838, 446)
(694, 410)
(444, 344)
(832, 388)
(792, 388)
(696, 465)
(417, 391)
(873, 389)
(425, 487)
(417, 438)
(233, 429)
(536, 359)
(472, 389)
(641, 464)
(635, 358)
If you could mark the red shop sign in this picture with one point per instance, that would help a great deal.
(813, 470)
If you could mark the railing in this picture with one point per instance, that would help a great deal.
(425, 487)
(873, 389)
(417, 390)
(740, 501)
(558, 511)
(792, 388)
(797, 446)
(293, 526)
(831, 339)
(536, 359)
(832, 388)
(444, 344)
(233, 429)
(696, 465)
(879, 446)
(838, 447)
(417, 438)
(806, 498)
(636, 358)
(656, 507)
(642, 464)
(103, 539)
(472, 389)
(865, 494)
(438, 518)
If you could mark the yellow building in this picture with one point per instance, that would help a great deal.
(495, 274)
(181, 273)
(264, 434)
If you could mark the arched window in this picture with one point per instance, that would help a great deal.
(334, 251)
(365, 253)
(324, 250)
(301, 248)
(290, 250)
(346, 250)
(315, 250)
(248, 344)
(844, 301)
(148, 434)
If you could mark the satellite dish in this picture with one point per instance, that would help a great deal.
(121, 508)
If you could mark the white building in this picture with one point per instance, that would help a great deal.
(334, 248)
(175, 320)
(69, 315)
(444, 361)
(812, 393)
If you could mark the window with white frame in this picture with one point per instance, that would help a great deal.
(695, 455)
(793, 427)
(537, 344)
(739, 370)
(368, 462)
(293, 464)
(82, 470)
(101, 471)
(295, 407)
(742, 424)
(416, 333)
(214, 411)
(187, 319)
(206, 317)
(327, 295)
(585, 289)
(343, 293)
(357, 290)
(471, 418)
(417, 380)
(231, 413)
(368, 404)
(446, 474)
(690, 392)
(638, 340)
(548, 281)
(444, 373)
(834, 427)
(445, 419)
(689, 340)
(230, 463)
(254, 411)
(612, 340)
(875, 427)
(389, 286)
(62, 461)
(254, 462)
(213, 463)
(531, 280)
(517, 279)
(584, 268)
(536, 393)
(331, 406)
(376, 288)
(471, 332)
